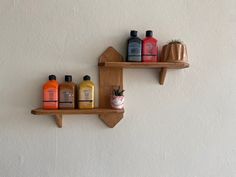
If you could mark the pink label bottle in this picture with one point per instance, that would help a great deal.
(150, 49)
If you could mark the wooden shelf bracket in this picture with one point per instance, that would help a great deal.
(58, 119)
(108, 79)
(162, 75)
(111, 119)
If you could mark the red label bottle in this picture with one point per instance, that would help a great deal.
(150, 49)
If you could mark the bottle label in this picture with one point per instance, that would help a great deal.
(149, 49)
(86, 98)
(50, 97)
(134, 51)
(66, 98)
(149, 52)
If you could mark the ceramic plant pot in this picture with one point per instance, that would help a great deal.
(117, 102)
(163, 53)
(174, 52)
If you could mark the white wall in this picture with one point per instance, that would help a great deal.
(185, 128)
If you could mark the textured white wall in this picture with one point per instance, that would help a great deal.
(186, 128)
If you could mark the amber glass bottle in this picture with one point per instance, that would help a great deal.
(50, 93)
(67, 94)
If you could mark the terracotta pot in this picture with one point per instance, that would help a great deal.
(174, 52)
(163, 53)
(117, 102)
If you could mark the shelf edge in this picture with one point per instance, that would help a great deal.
(168, 65)
(98, 111)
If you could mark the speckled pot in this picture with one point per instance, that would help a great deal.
(174, 52)
(117, 102)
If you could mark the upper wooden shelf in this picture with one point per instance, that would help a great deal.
(168, 65)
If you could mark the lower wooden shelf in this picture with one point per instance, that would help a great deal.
(109, 116)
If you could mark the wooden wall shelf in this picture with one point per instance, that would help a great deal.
(118, 63)
(102, 112)
(111, 64)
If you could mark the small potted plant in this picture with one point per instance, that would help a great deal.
(174, 51)
(117, 98)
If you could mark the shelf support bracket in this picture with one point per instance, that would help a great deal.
(111, 119)
(58, 119)
(162, 75)
(108, 79)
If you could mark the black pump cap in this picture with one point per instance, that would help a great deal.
(86, 78)
(149, 33)
(134, 33)
(68, 78)
(52, 77)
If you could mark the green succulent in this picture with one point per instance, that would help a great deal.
(118, 92)
(175, 41)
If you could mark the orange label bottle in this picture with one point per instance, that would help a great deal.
(50, 93)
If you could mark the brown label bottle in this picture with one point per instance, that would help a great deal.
(67, 94)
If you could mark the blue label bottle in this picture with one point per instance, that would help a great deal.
(134, 52)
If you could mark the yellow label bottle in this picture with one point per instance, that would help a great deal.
(86, 93)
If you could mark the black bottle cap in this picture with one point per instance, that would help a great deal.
(52, 77)
(86, 78)
(134, 33)
(68, 78)
(149, 33)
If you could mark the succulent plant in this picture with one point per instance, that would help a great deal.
(175, 42)
(118, 92)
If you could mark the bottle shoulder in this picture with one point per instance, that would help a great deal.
(67, 85)
(134, 39)
(149, 39)
(86, 84)
(51, 84)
